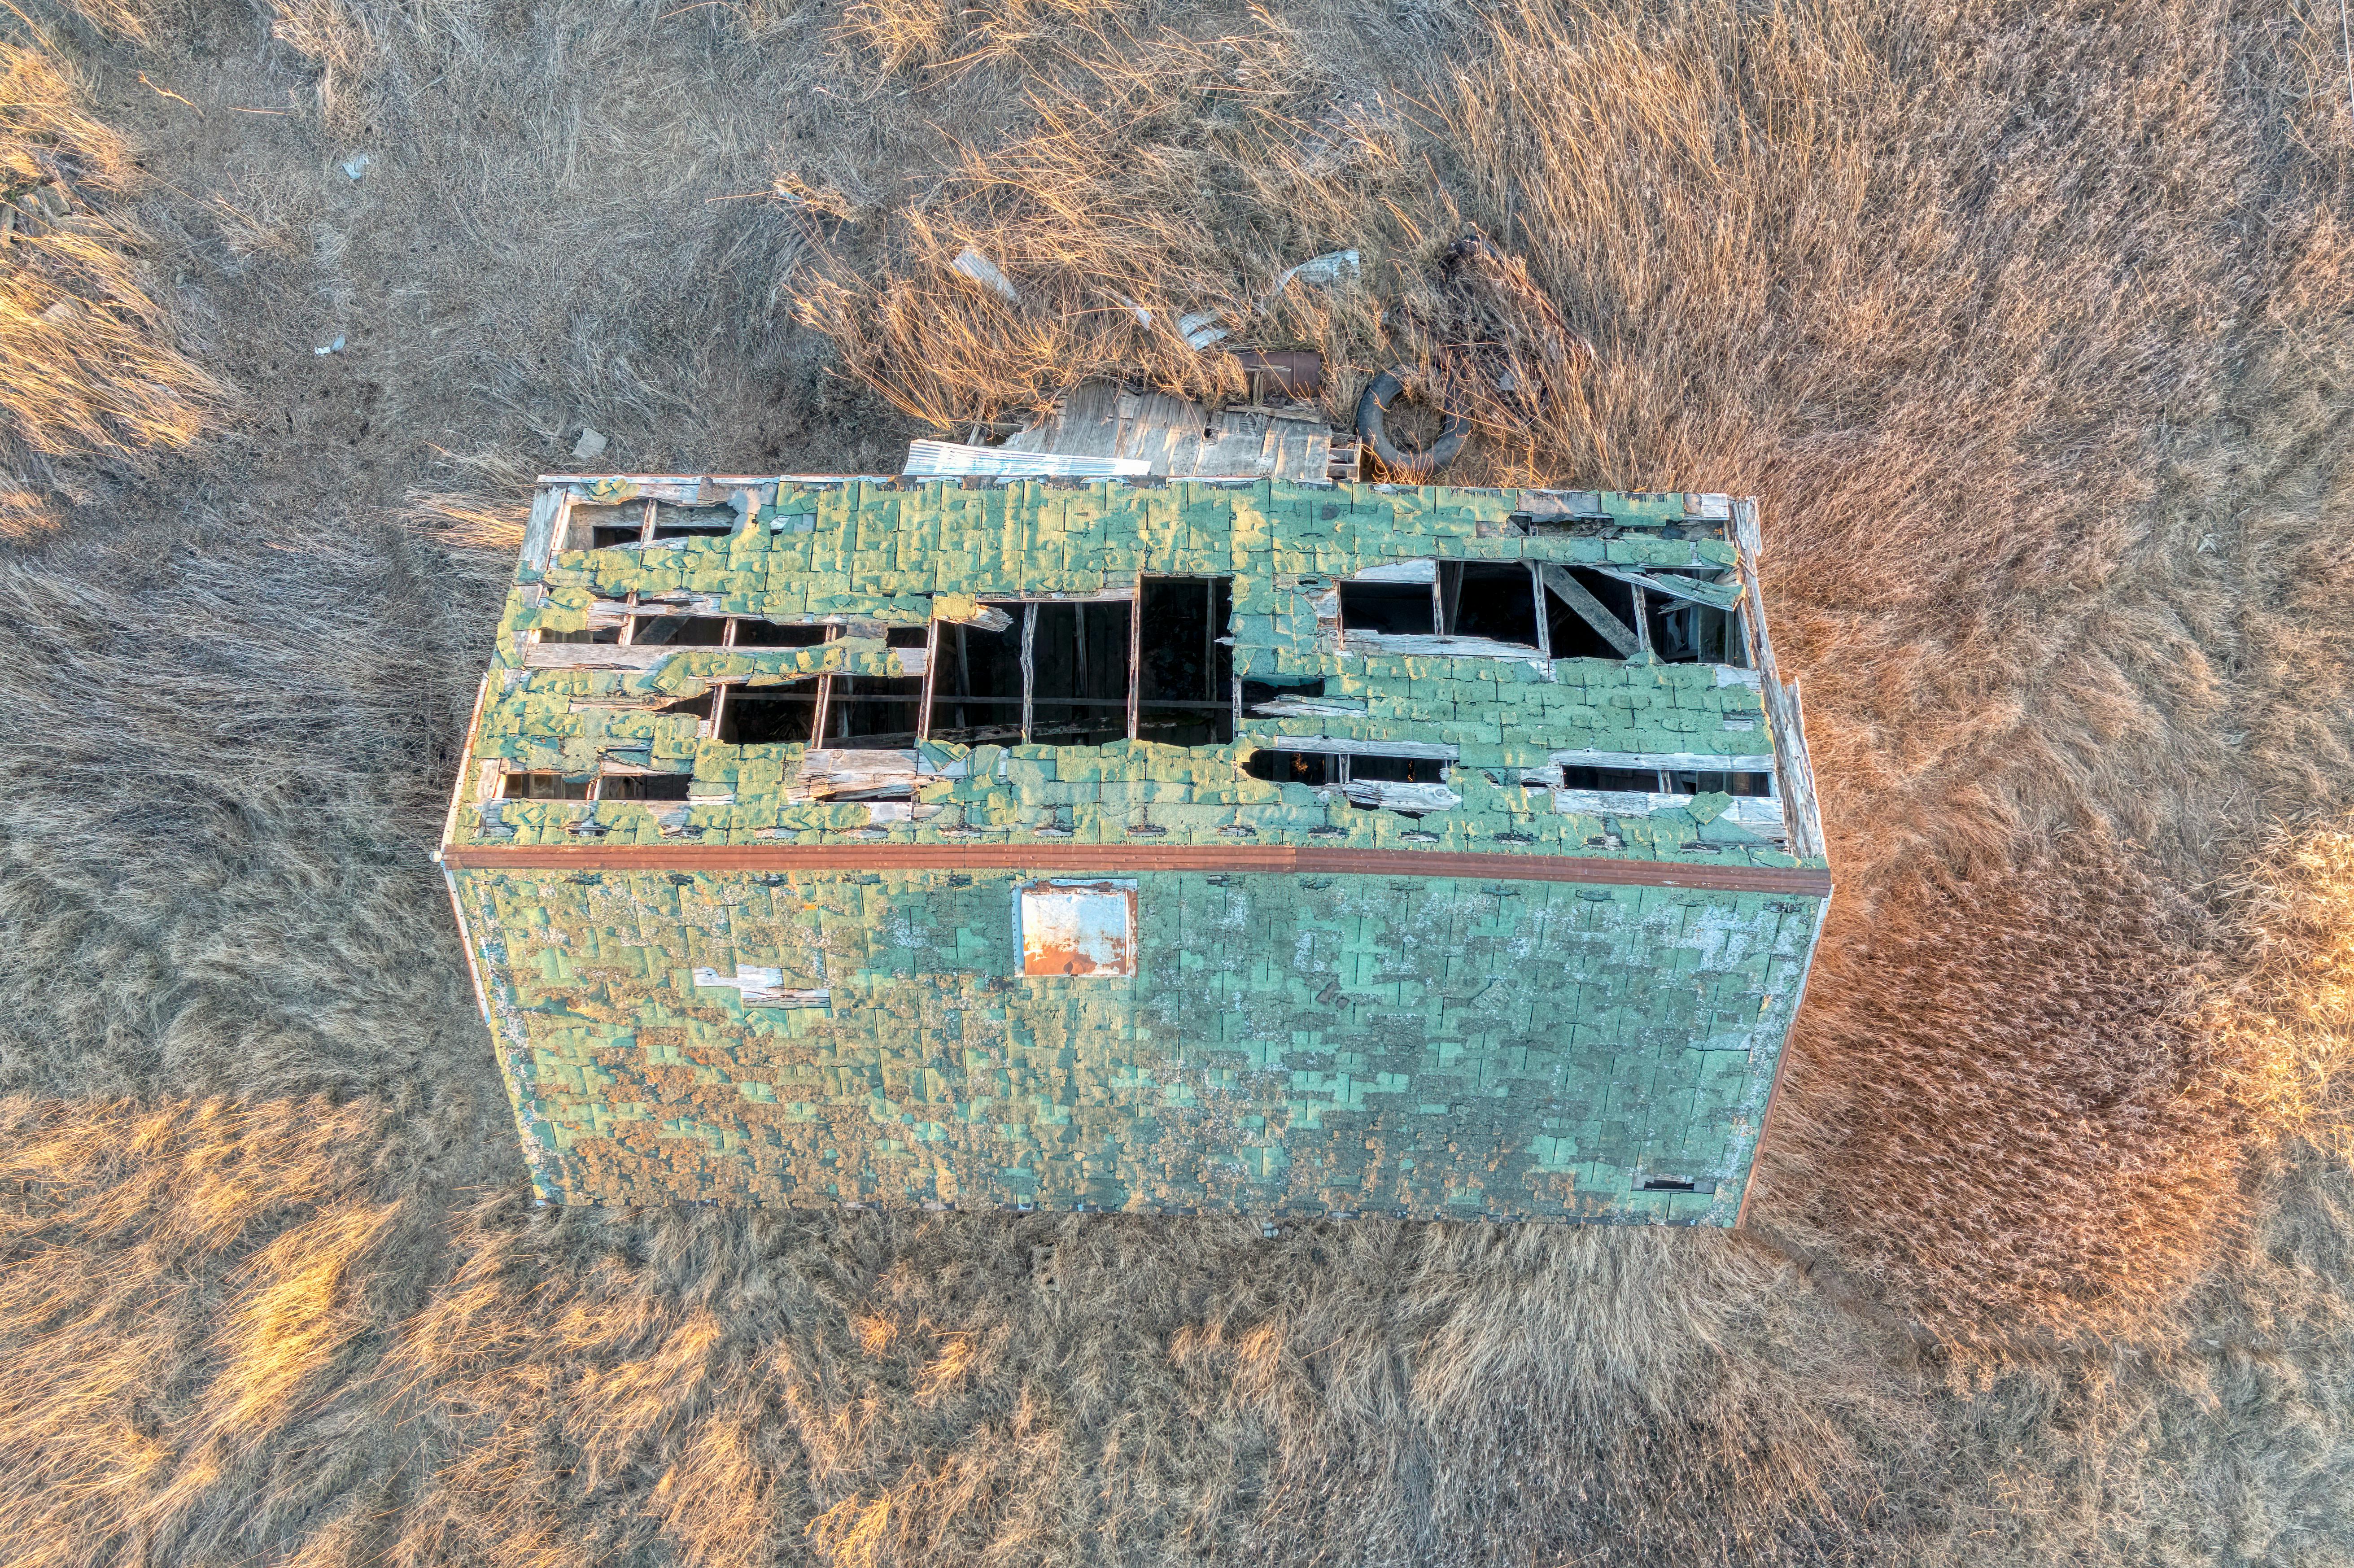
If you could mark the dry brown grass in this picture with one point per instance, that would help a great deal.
(2028, 328)
(2019, 1124)
(291, 1324)
(87, 366)
(896, 34)
(2288, 1004)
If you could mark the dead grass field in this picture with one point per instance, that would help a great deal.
(2030, 330)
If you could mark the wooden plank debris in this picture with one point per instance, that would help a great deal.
(1179, 439)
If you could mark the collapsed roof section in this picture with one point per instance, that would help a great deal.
(774, 661)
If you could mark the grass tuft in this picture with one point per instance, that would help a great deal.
(86, 365)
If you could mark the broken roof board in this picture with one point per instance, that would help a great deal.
(1542, 1003)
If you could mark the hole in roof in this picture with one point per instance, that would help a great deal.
(679, 631)
(604, 527)
(1388, 610)
(1078, 665)
(776, 634)
(1574, 636)
(1687, 634)
(1293, 767)
(768, 716)
(1494, 600)
(1621, 780)
(644, 786)
(1397, 769)
(541, 787)
(1746, 785)
(1255, 692)
(873, 713)
(976, 683)
(1184, 687)
(675, 521)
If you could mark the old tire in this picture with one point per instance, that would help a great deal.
(1372, 411)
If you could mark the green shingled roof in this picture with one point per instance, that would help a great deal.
(1540, 1042)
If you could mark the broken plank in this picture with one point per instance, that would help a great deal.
(1384, 794)
(1674, 761)
(1698, 590)
(1592, 611)
(1355, 748)
(829, 773)
(1424, 647)
(540, 534)
(597, 655)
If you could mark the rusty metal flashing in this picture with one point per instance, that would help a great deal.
(1064, 859)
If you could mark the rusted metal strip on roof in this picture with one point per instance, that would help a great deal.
(1061, 859)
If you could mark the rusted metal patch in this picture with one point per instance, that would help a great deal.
(1083, 931)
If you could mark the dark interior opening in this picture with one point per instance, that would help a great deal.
(1392, 609)
(1293, 767)
(541, 787)
(976, 683)
(1185, 690)
(905, 636)
(1687, 634)
(1495, 600)
(680, 631)
(612, 525)
(773, 634)
(698, 706)
(1255, 692)
(644, 786)
(1572, 636)
(586, 634)
(1643, 780)
(768, 716)
(1079, 674)
(675, 521)
(873, 713)
(1748, 784)
(1667, 1184)
(1398, 769)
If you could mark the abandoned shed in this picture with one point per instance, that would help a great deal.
(1254, 845)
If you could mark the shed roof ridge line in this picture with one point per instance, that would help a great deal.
(1062, 859)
